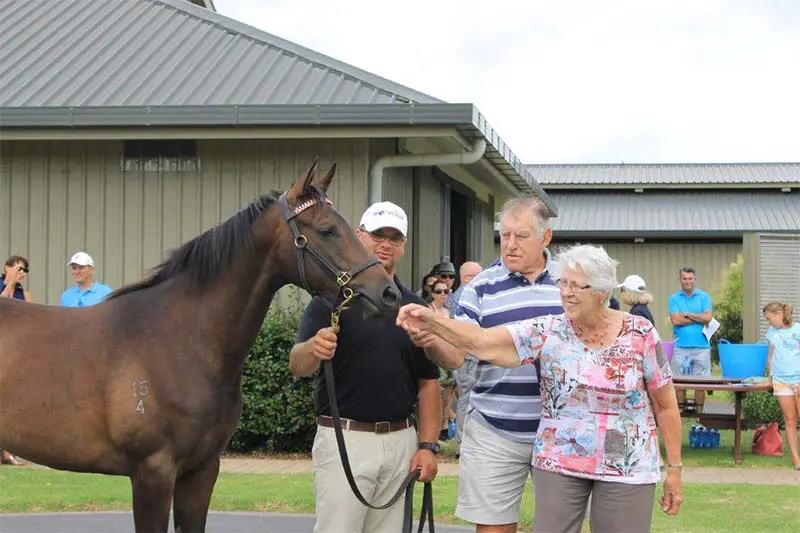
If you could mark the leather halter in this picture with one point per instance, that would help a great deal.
(342, 277)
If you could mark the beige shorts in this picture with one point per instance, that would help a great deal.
(492, 475)
(779, 388)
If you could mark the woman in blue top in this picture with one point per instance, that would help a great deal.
(15, 270)
(783, 366)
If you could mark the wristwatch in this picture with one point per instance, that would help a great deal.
(432, 446)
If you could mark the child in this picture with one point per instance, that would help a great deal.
(783, 366)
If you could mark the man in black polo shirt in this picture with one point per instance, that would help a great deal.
(380, 374)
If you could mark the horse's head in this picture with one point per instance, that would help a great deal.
(323, 253)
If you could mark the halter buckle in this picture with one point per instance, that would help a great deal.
(300, 241)
(343, 278)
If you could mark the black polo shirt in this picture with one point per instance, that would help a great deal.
(376, 366)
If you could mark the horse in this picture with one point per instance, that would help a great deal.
(147, 383)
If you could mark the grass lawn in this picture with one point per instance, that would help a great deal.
(708, 507)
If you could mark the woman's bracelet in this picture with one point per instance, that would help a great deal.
(678, 466)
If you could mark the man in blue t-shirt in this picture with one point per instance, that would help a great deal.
(86, 291)
(689, 312)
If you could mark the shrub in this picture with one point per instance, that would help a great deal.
(761, 408)
(278, 410)
(727, 301)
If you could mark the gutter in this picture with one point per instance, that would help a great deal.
(419, 160)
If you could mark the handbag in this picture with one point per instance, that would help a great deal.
(767, 440)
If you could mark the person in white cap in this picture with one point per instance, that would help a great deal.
(380, 375)
(633, 293)
(86, 291)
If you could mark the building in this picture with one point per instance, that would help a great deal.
(656, 219)
(129, 127)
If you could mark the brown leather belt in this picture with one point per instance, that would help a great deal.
(368, 427)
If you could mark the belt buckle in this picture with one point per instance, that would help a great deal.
(380, 425)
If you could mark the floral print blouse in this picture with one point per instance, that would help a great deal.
(596, 417)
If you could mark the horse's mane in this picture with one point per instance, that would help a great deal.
(205, 257)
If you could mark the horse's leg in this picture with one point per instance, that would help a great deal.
(193, 496)
(153, 481)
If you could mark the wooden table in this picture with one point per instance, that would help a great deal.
(718, 421)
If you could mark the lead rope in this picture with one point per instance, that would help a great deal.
(408, 483)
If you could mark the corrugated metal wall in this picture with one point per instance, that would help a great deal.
(60, 197)
(488, 252)
(429, 214)
(778, 274)
(659, 264)
(398, 187)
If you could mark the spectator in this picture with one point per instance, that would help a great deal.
(689, 312)
(633, 293)
(783, 368)
(466, 272)
(15, 271)
(505, 403)
(86, 291)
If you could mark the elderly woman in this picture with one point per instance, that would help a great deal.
(604, 376)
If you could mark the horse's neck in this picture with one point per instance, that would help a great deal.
(233, 310)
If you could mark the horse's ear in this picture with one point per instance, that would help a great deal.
(325, 182)
(302, 184)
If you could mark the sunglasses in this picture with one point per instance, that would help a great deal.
(447, 276)
(23, 269)
(442, 291)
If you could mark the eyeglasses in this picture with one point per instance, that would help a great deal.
(569, 286)
(25, 269)
(446, 276)
(379, 236)
(442, 291)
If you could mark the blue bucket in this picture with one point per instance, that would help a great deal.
(742, 360)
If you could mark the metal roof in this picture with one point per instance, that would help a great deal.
(651, 214)
(670, 175)
(166, 52)
(150, 63)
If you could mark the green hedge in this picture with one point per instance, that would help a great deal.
(278, 411)
(761, 408)
(728, 302)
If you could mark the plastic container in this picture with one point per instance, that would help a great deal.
(451, 429)
(668, 349)
(742, 360)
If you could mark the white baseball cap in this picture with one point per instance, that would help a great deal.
(81, 259)
(385, 215)
(633, 283)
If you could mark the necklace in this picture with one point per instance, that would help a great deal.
(593, 336)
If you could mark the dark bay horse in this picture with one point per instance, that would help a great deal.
(147, 384)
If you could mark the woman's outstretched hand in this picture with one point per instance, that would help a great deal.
(415, 318)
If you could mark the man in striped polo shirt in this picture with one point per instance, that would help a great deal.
(505, 404)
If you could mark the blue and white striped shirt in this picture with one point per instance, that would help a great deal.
(507, 400)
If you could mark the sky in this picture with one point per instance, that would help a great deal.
(579, 81)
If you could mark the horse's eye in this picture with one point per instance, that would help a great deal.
(327, 232)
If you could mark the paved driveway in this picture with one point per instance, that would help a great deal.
(116, 522)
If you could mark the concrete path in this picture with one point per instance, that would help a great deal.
(755, 476)
(117, 522)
